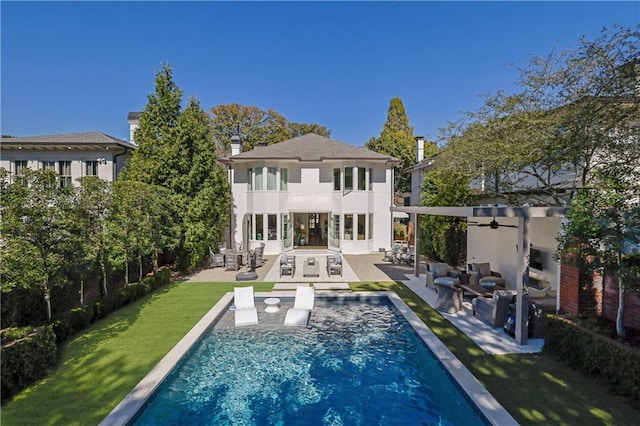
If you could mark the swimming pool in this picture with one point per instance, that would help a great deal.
(360, 362)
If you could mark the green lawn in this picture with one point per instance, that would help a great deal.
(100, 366)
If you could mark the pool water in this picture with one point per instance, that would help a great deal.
(360, 363)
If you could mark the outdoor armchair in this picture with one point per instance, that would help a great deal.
(481, 273)
(493, 310)
(437, 270)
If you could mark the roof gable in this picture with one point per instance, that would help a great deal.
(312, 147)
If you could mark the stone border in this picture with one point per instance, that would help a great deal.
(495, 413)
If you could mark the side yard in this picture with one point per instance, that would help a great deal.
(100, 366)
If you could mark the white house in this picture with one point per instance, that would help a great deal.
(311, 191)
(72, 155)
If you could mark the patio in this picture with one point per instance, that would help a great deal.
(371, 267)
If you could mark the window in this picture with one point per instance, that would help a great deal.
(348, 178)
(371, 226)
(334, 236)
(348, 227)
(336, 179)
(49, 165)
(370, 179)
(250, 179)
(284, 179)
(361, 226)
(64, 170)
(271, 178)
(20, 167)
(362, 179)
(272, 227)
(259, 227)
(259, 184)
(91, 168)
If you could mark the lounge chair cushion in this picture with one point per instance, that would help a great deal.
(246, 312)
(302, 306)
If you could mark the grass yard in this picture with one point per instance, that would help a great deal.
(100, 366)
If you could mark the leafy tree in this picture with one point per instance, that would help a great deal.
(445, 238)
(39, 235)
(601, 222)
(93, 203)
(576, 112)
(397, 140)
(176, 153)
(254, 126)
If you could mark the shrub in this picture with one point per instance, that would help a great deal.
(77, 319)
(27, 359)
(617, 364)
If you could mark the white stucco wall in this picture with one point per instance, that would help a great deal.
(77, 158)
(498, 246)
(310, 190)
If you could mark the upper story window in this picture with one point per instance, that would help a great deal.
(259, 183)
(348, 178)
(64, 170)
(250, 179)
(336, 180)
(284, 179)
(49, 165)
(362, 179)
(20, 168)
(271, 178)
(91, 168)
(370, 179)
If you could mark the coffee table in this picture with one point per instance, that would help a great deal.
(273, 305)
(311, 267)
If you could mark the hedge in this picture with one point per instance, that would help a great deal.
(79, 318)
(616, 364)
(27, 359)
(28, 353)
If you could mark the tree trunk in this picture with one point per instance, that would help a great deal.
(47, 300)
(103, 268)
(155, 262)
(81, 292)
(126, 272)
(620, 313)
(140, 271)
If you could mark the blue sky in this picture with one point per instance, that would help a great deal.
(82, 66)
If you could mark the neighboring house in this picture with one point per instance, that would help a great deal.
(72, 155)
(311, 191)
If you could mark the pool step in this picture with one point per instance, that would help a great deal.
(318, 286)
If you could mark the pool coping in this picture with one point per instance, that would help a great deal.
(492, 410)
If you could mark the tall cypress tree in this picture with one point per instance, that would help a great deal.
(397, 140)
(176, 151)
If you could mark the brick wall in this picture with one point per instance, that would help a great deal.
(579, 293)
(631, 304)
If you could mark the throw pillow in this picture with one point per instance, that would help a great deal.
(442, 270)
(535, 293)
(483, 269)
(337, 259)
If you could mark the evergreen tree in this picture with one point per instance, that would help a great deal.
(176, 152)
(397, 140)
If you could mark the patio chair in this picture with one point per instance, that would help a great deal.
(481, 273)
(334, 264)
(302, 307)
(231, 261)
(390, 255)
(449, 298)
(259, 251)
(287, 265)
(493, 310)
(246, 312)
(217, 259)
(440, 273)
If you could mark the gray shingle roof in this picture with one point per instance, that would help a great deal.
(88, 138)
(312, 147)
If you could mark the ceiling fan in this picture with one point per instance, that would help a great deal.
(493, 224)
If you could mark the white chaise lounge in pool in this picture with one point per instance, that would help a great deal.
(246, 312)
(299, 314)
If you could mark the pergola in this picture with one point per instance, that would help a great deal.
(523, 214)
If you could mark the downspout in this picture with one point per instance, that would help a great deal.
(115, 163)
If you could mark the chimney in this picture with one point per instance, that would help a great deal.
(419, 148)
(236, 145)
(134, 122)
